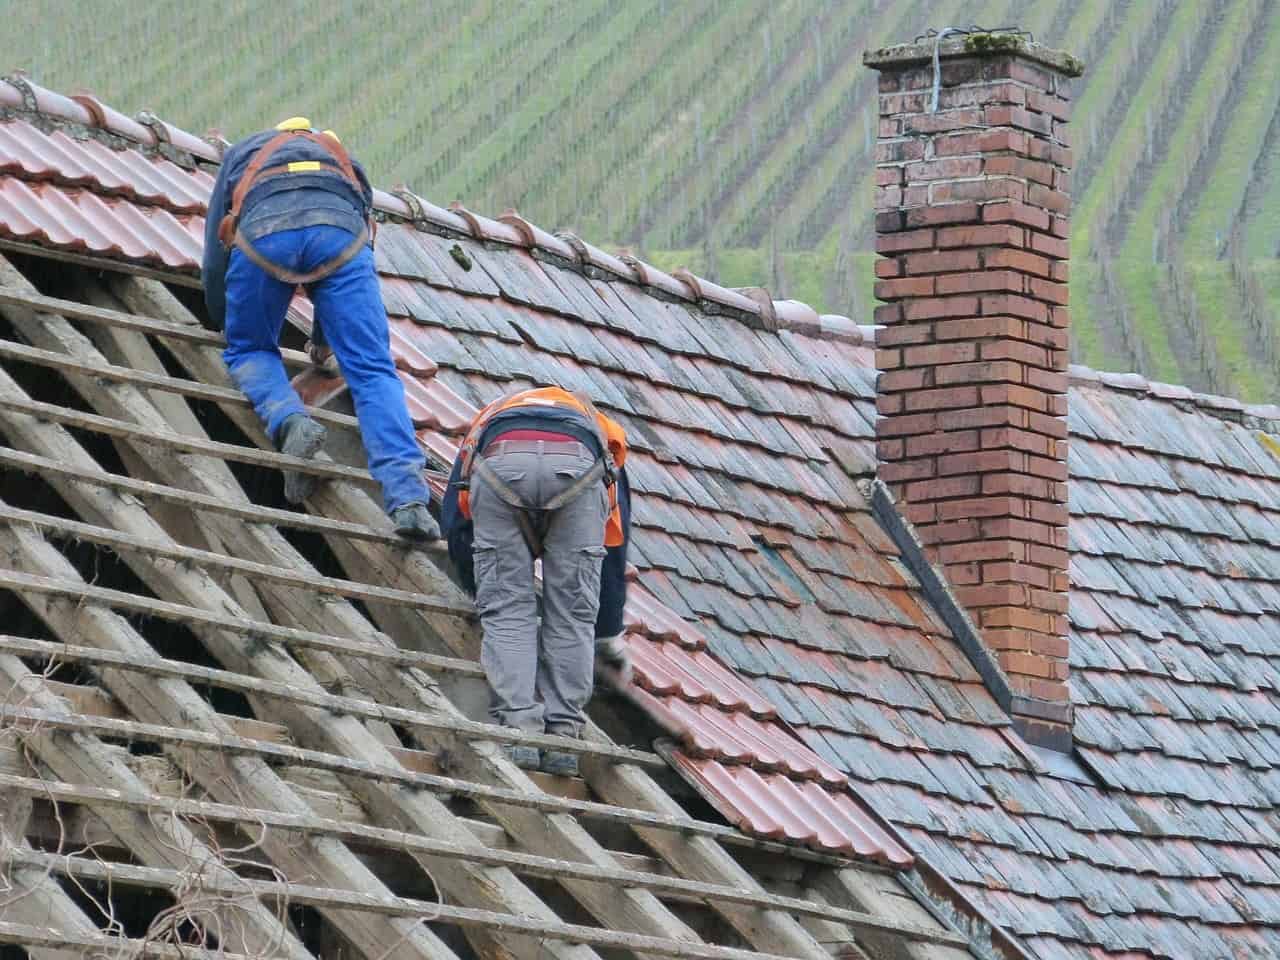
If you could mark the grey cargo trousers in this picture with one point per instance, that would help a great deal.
(538, 683)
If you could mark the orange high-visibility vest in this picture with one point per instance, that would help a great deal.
(611, 436)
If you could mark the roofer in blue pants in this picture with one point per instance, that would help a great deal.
(290, 208)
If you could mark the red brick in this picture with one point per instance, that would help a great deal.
(1015, 483)
(941, 261)
(1014, 212)
(1055, 153)
(888, 359)
(1002, 570)
(992, 595)
(1021, 618)
(905, 470)
(918, 514)
(940, 488)
(894, 103)
(1060, 271)
(983, 461)
(889, 197)
(1029, 73)
(1050, 426)
(1048, 198)
(1047, 468)
(1003, 639)
(977, 328)
(1043, 556)
(906, 425)
(1018, 396)
(1048, 380)
(1061, 133)
(887, 269)
(955, 441)
(987, 188)
(943, 121)
(991, 235)
(1045, 512)
(904, 287)
(1057, 404)
(978, 94)
(1050, 602)
(981, 280)
(1029, 664)
(997, 371)
(889, 176)
(1056, 107)
(987, 550)
(1061, 180)
(1015, 304)
(1060, 316)
(889, 128)
(1017, 260)
(978, 507)
(979, 417)
(1047, 290)
(907, 240)
(1015, 528)
(1019, 350)
(899, 151)
(1010, 165)
(986, 141)
(888, 313)
(893, 381)
(940, 353)
(998, 437)
(889, 450)
(938, 216)
(907, 333)
(1001, 115)
(932, 307)
(945, 169)
(1049, 246)
(1061, 580)
(887, 406)
(941, 399)
(962, 574)
(956, 531)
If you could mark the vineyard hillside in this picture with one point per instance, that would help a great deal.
(736, 137)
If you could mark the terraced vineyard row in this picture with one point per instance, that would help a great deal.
(737, 137)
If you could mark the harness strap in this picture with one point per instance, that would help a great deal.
(257, 170)
(535, 533)
(303, 279)
(593, 415)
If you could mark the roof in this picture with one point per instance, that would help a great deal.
(773, 603)
(81, 184)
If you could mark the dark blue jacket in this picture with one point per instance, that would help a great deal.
(284, 202)
(461, 534)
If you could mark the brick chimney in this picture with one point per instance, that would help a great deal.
(972, 202)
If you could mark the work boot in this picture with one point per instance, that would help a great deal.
(300, 436)
(560, 763)
(526, 758)
(414, 522)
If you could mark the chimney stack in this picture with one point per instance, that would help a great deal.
(972, 197)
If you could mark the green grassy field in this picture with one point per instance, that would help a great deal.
(735, 137)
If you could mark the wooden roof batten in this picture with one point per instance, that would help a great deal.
(307, 665)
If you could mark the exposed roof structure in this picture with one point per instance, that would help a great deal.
(267, 710)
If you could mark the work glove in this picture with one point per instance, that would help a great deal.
(613, 661)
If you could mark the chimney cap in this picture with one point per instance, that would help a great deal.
(972, 44)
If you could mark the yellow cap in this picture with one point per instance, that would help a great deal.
(330, 133)
(294, 123)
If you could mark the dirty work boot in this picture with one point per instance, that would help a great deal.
(414, 522)
(300, 436)
(526, 758)
(560, 763)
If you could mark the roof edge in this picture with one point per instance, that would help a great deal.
(19, 94)
(1223, 407)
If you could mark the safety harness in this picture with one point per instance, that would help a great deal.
(534, 520)
(257, 171)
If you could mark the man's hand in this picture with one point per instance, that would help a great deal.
(613, 661)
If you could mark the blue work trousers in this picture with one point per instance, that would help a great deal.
(349, 311)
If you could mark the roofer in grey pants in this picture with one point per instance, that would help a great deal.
(532, 480)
